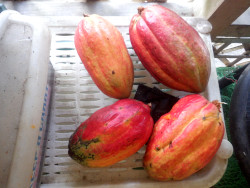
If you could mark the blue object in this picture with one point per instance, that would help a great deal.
(2, 7)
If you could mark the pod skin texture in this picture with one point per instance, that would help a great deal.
(170, 49)
(185, 139)
(111, 134)
(102, 50)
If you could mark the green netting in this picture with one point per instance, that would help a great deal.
(233, 177)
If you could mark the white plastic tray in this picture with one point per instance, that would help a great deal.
(24, 59)
(76, 97)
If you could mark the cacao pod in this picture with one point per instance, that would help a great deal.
(185, 139)
(111, 134)
(102, 50)
(170, 49)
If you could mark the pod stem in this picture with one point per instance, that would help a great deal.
(218, 104)
(140, 9)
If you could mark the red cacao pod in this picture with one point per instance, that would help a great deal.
(185, 139)
(170, 49)
(103, 52)
(111, 134)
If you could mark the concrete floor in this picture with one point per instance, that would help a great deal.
(101, 7)
(78, 7)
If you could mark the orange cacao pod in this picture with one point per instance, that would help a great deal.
(111, 134)
(103, 52)
(185, 139)
(170, 49)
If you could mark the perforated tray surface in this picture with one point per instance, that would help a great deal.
(75, 97)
